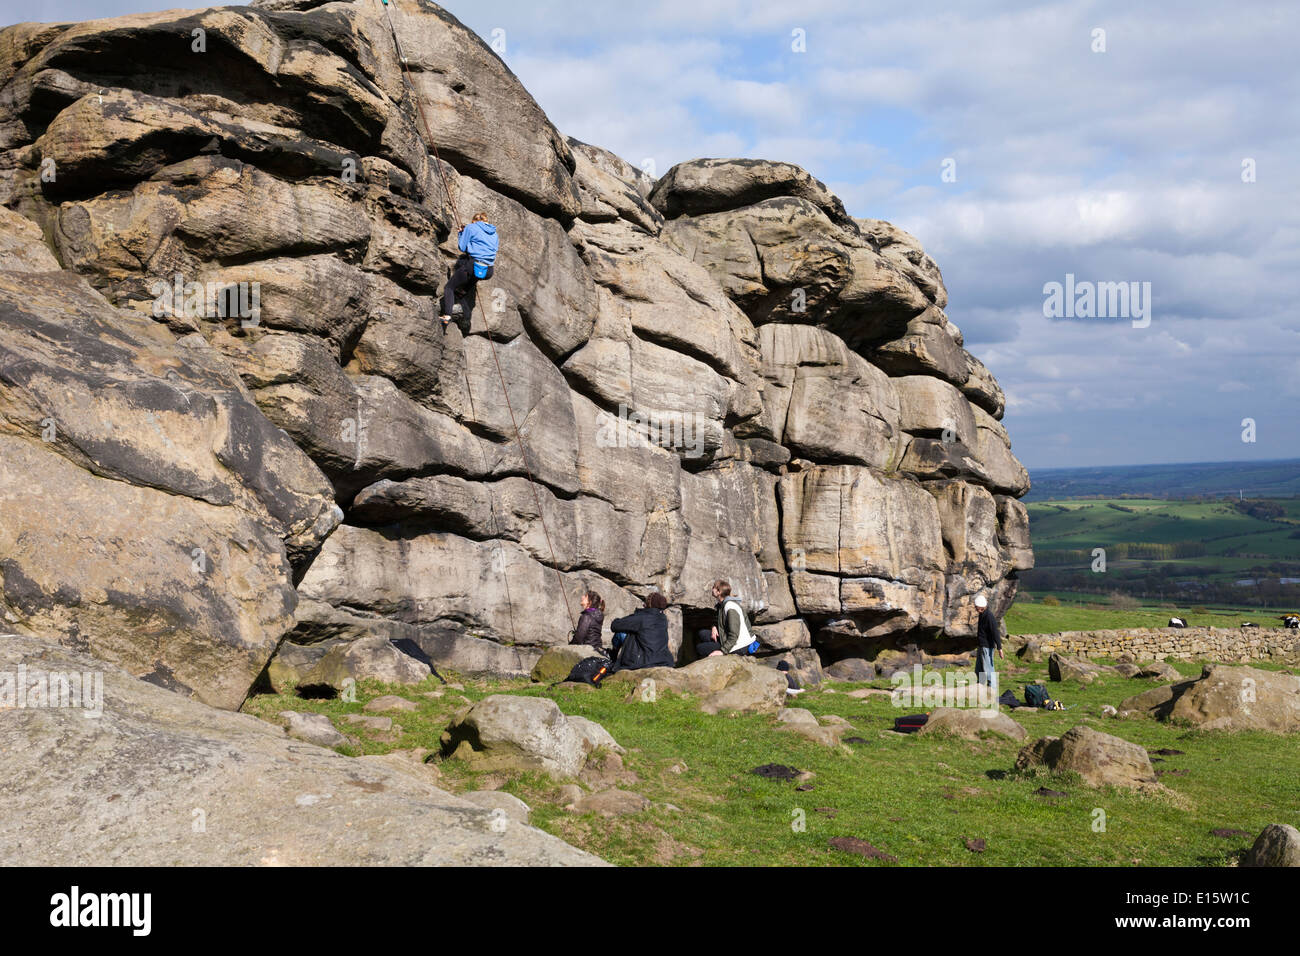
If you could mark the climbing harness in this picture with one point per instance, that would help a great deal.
(452, 206)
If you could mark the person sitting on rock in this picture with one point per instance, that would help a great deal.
(646, 640)
(589, 621)
(732, 633)
(479, 242)
(989, 635)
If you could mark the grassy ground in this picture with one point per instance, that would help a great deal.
(916, 798)
(1038, 618)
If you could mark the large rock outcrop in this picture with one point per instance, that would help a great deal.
(154, 779)
(219, 350)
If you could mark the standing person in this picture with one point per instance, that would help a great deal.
(479, 242)
(989, 635)
(590, 620)
(731, 634)
(646, 640)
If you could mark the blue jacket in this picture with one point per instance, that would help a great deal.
(479, 239)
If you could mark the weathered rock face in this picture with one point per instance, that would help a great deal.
(159, 780)
(218, 337)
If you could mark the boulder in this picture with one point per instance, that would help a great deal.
(556, 662)
(367, 658)
(828, 735)
(1031, 652)
(1063, 668)
(1100, 759)
(370, 723)
(1225, 698)
(1278, 844)
(292, 662)
(971, 723)
(851, 669)
(313, 728)
(220, 789)
(716, 185)
(1239, 698)
(804, 664)
(388, 703)
(593, 734)
(796, 715)
(1160, 670)
(719, 684)
(504, 732)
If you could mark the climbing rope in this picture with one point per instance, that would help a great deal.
(514, 424)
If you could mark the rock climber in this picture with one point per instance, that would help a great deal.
(479, 242)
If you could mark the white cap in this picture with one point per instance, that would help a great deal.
(981, 601)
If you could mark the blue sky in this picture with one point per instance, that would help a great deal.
(1122, 165)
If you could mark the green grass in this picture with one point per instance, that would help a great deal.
(916, 798)
(1038, 618)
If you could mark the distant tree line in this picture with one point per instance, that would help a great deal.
(1139, 550)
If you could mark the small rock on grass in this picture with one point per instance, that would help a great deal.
(313, 728)
(864, 693)
(389, 702)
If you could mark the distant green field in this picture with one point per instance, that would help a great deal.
(1101, 522)
(1039, 618)
(1183, 551)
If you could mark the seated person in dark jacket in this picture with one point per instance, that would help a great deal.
(646, 644)
(589, 622)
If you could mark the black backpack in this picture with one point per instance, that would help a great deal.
(1036, 695)
(589, 670)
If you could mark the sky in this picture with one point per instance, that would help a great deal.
(1020, 145)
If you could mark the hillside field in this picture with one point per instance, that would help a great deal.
(1185, 552)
